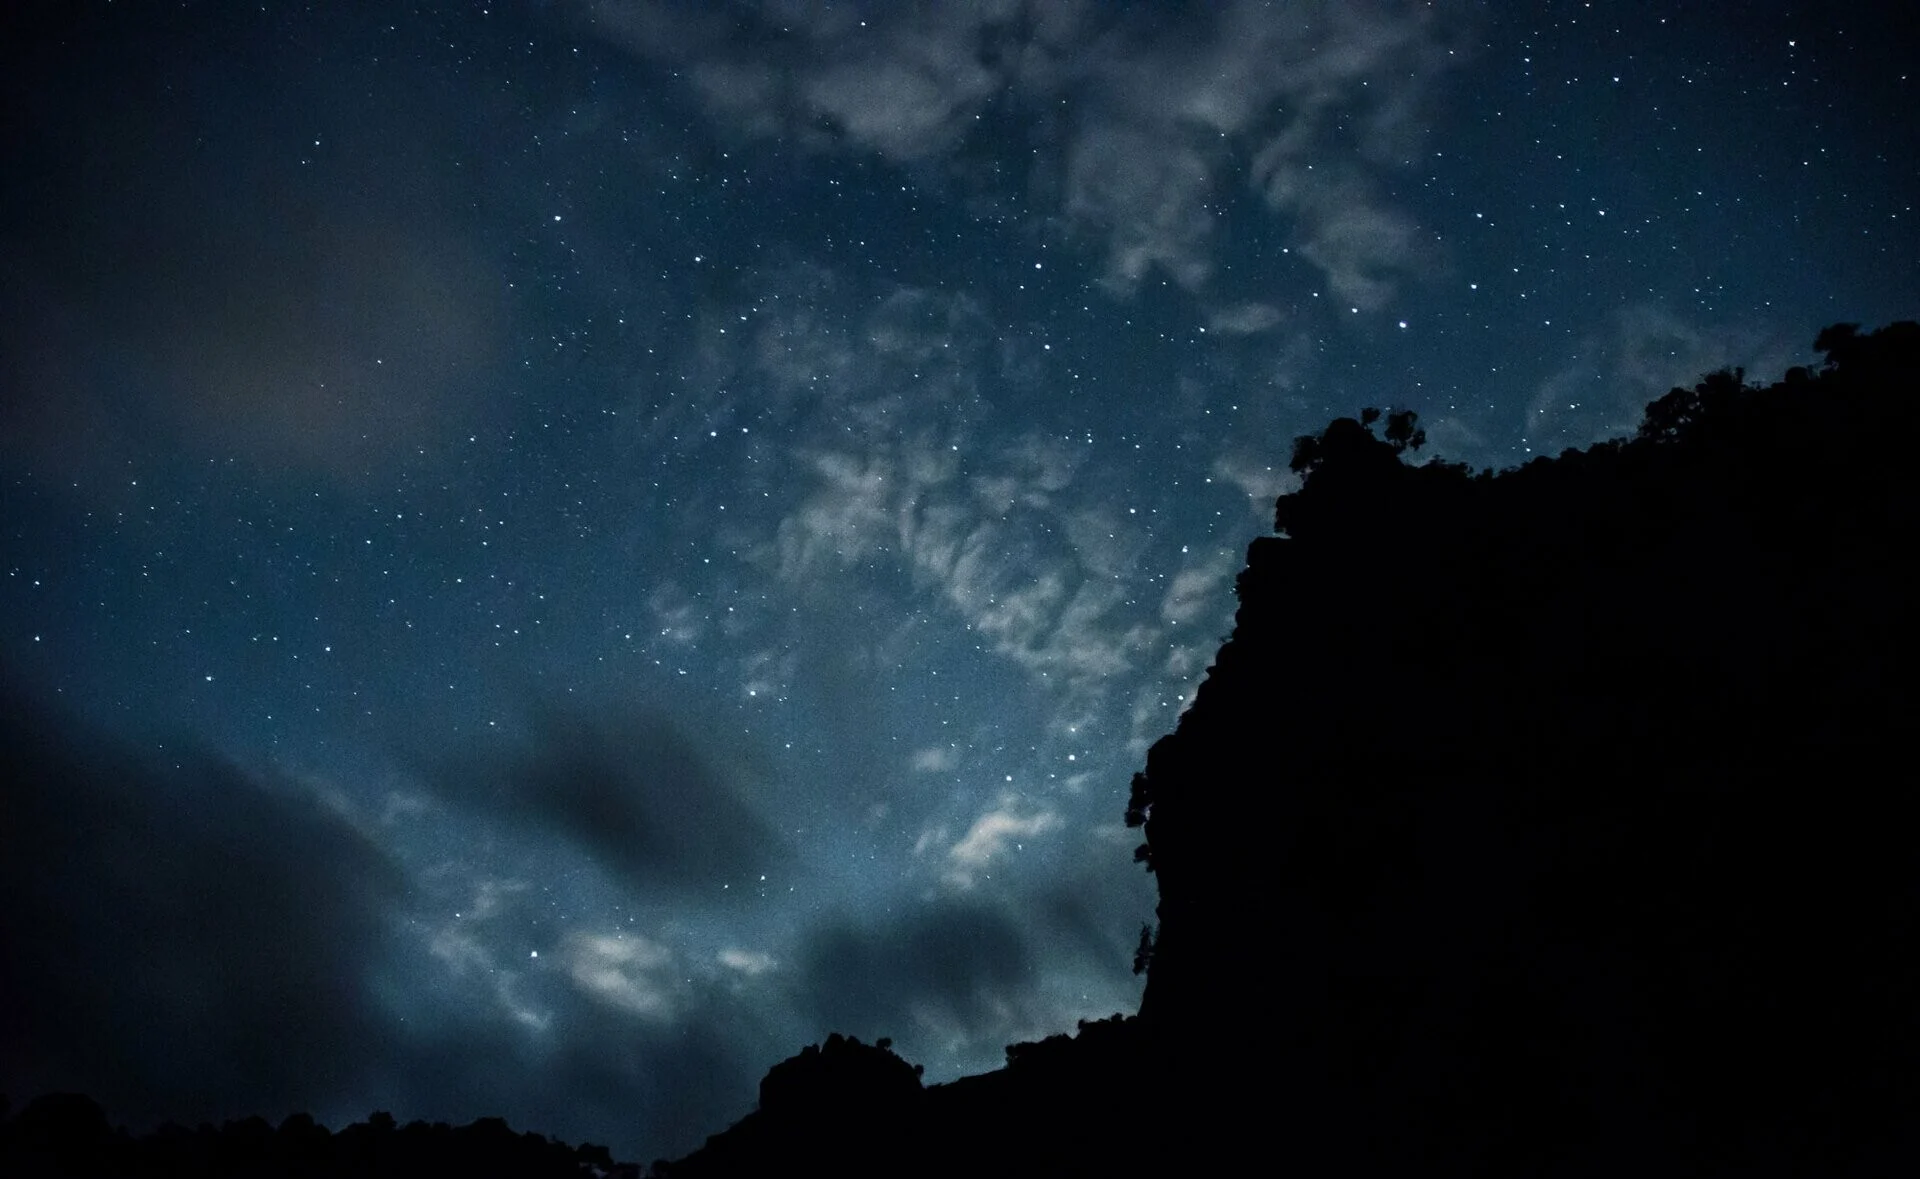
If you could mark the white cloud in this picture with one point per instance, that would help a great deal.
(1196, 590)
(622, 970)
(991, 836)
(461, 943)
(936, 760)
(752, 963)
(848, 514)
(1263, 479)
(507, 992)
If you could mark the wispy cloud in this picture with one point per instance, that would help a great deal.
(1259, 476)
(752, 963)
(678, 620)
(1244, 319)
(1195, 591)
(1002, 829)
(1147, 126)
(622, 969)
(935, 760)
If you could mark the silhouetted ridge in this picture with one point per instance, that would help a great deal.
(846, 1108)
(1546, 822)
(65, 1134)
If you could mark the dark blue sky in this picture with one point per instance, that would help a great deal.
(557, 553)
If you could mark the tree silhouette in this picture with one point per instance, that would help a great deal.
(1143, 953)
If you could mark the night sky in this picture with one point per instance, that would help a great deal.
(556, 553)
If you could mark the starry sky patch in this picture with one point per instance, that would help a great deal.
(557, 553)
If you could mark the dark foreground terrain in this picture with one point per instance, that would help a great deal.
(1546, 823)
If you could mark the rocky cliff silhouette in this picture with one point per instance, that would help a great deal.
(1554, 822)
